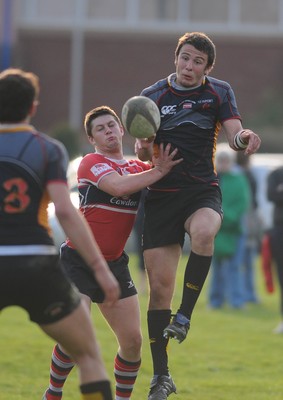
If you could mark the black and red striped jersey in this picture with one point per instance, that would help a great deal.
(190, 121)
(29, 160)
(110, 218)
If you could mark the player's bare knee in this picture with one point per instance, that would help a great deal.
(158, 290)
(135, 343)
(159, 301)
(203, 238)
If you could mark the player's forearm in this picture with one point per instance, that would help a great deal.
(128, 184)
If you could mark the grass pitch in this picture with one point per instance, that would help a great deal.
(228, 354)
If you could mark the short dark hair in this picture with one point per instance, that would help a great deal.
(95, 113)
(18, 91)
(201, 42)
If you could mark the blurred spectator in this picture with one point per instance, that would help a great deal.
(252, 233)
(226, 283)
(275, 194)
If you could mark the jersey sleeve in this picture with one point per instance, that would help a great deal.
(228, 106)
(145, 166)
(58, 160)
(92, 169)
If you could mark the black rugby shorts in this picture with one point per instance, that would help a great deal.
(83, 278)
(166, 213)
(39, 285)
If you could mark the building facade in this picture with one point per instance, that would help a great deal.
(93, 52)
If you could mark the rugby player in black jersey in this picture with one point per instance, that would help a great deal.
(33, 171)
(193, 107)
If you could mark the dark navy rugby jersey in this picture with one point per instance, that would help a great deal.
(191, 120)
(28, 161)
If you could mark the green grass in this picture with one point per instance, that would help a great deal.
(228, 355)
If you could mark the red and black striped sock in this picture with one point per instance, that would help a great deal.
(61, 366)
(125, 375)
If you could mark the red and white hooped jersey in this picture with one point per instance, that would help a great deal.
(111, 218)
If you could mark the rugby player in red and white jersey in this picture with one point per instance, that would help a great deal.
(109, 189)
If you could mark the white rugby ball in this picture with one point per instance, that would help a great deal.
(140, 117)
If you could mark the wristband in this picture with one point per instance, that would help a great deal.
(239, 144)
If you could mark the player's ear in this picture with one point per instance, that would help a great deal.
(33, 108)
(207, 70)
(91, 140)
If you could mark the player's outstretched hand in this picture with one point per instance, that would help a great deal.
(165, 160)
(252, 139)
(108, 284)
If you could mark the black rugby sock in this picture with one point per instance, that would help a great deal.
(157, 321)
(195, 275)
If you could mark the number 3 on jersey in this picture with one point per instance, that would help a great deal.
(17, 199)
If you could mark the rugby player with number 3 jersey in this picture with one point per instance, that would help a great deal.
(33, 172)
